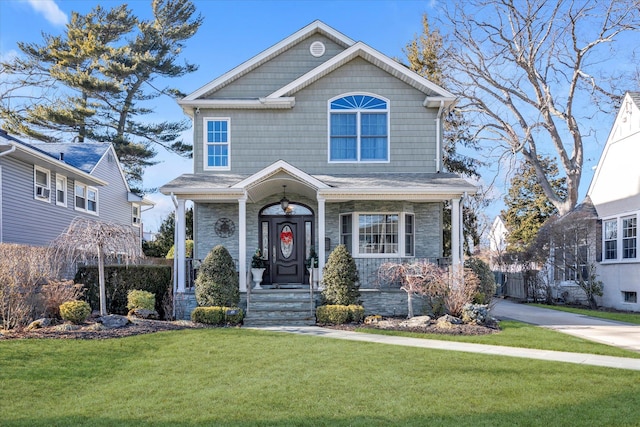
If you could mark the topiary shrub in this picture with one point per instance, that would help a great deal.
(356, 313)
(332, 314)
(487, 287)
(141, 299)
(75, 311)
(217, 315)
(340, 278)
(217, 281)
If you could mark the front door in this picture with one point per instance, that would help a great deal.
(287, 250)
(285, 241)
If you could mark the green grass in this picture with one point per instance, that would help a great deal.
(518, 334)
(609, 315)
(241, 377)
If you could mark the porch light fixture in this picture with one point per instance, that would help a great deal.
(284, 202)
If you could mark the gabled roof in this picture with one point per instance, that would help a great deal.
(283, 97)
(275, 50)
(84, 156)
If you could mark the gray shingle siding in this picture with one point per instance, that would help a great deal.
(300, 136)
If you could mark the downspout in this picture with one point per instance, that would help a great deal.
(9, 151)
(175, 253)
(438, 137)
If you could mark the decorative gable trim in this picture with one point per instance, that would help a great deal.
(256, 61)
(276, 167)
(366, 52)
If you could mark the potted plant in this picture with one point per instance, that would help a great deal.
(312, 266)
(258, 265)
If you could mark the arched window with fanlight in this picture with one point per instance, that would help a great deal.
(358, 128)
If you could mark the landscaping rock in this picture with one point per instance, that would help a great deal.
(447, 321)
(416, 321)
(143, 313)
(39, 323)
(114, 321)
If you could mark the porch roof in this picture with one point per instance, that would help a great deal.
(379, 186)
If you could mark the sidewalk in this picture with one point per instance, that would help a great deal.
(617, 334)
(555, 356)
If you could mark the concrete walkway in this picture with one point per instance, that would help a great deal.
(612, 333)
(617, 334)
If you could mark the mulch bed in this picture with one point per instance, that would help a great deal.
(145, 326)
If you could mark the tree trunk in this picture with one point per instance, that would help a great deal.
(103, 291)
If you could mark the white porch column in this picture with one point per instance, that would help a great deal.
(456, 234)
(180, 245)
(242, 243)
(321, 234)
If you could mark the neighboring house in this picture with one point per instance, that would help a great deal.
(317, 141)
(497, 243)
(43, 187)
(615, 192)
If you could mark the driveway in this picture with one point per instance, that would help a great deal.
(618, 334)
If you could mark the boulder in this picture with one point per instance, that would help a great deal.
(143, 313)
(114, 321)
(447, 321)
(417, 321)
(39, 323)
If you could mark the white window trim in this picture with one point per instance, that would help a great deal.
(44, 190)
(205, 166)
(619, 259)
(86, 209)
(136, 220)
(387, 111)
(355, 234)
(66, 190)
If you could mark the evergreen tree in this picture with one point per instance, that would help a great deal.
(527, 206)
(424, 54)
(217, 282)
(165, 236)
(340, 278)
(101, 72)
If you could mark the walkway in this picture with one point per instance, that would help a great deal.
(607, 332)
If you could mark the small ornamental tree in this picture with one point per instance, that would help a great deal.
(217, 281)
(340, 278)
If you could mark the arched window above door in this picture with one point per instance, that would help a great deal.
(292, 209)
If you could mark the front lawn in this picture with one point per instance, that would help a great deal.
(518, 334)
(244, 377)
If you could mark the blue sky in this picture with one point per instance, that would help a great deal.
(233, 32)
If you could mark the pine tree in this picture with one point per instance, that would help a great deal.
(527, 206)
(101, 76)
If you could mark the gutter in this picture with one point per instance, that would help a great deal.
(9, 151)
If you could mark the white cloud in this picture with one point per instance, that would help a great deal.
(50, 10)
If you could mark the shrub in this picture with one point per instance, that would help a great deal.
(356, 313)
(141, 299)
(54, 293)
(475, 313)
(332, 314)
(22, 270)
(340, 278)
(75, 311)
(188, 249)
(217, 315)
(487, 287)
(217, 281)
(120, 279)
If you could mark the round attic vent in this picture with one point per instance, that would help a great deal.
(317, 49)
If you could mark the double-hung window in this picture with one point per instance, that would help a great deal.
(61, 190)
(629, 237)
(42, 184)
(620, 238)
(216, 144)
(86, 198)
(378, 234)
(135, 215)
(358, 129)
(610, 236)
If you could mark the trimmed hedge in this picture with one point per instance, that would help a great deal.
(339, 314)
(218, 316)
(120, 279)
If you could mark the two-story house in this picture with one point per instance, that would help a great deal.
(615, 193)
(43, 187)
(318, 141)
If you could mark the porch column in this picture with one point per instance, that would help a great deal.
(242, 243)
(180, 246)
(456, 234)
(321, 234)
